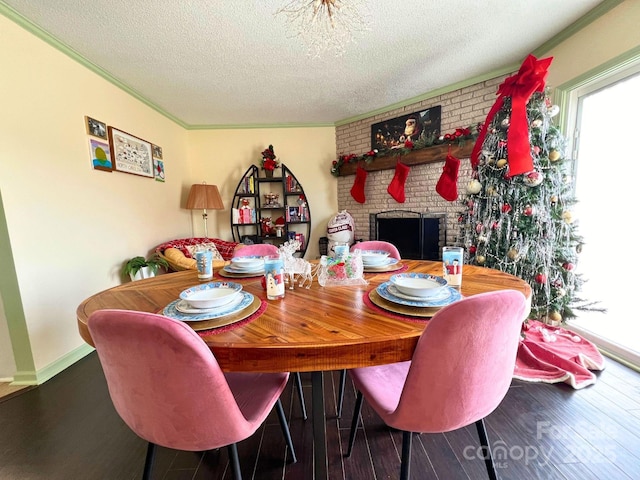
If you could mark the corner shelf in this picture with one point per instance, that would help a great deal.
(250, 207)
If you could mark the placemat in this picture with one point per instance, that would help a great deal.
(401, 312)
(257, 313)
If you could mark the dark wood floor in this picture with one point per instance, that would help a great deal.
(67, 429)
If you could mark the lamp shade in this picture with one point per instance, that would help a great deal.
(203, 196)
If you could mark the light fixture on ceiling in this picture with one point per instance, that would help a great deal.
(325, 25)
(203, 196)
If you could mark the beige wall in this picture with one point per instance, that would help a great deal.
(223, 156)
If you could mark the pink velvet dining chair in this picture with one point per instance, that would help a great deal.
(459, 373)
(378, 245)
(261, 249)
(167, 386)
(366, 245)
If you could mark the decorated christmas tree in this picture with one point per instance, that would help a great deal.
(517, 207)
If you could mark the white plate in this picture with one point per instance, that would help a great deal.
(183, 306)
(442, 293)
(418, 284)
(372, 258)
(209, 295)
(248, 262)
(452, 295)
(234, 269)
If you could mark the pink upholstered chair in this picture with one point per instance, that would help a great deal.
(167, 386)
(460, 372)
(378, 245)
(260, 249)
(366, 245)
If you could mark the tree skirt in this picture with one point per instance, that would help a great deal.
(552, 354)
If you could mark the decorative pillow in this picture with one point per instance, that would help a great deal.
(192, 249)
(178, 258)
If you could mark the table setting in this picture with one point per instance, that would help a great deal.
(243, 267)
(414, 294)
(378, 261)
(213, 305)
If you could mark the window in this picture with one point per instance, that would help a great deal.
(600, 114)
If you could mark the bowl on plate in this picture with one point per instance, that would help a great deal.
(252, 262)
(210, 295)
(371, 258)
(418, 284)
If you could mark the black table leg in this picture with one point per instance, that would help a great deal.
(320, 466)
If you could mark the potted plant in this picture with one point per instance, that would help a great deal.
(138, 267)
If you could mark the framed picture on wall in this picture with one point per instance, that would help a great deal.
(95, 127)
(130, 154)
(157, 151)
(392, 133)
(100, 155)
(158, 167)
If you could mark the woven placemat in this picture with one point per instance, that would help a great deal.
(402, 312)
(247, 315)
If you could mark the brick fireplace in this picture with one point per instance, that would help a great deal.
(460, 108)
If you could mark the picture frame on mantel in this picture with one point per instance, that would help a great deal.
(130, 154)
(392, 133)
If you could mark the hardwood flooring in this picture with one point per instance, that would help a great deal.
(67, 429)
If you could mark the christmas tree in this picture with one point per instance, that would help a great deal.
(517, 207)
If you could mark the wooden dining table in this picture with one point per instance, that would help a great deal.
(314, 329)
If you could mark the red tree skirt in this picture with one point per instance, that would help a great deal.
(552, 354)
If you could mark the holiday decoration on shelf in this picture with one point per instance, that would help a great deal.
(517, 214)
(269, 160)
(460, 136)
(396, 187)
(357, 190)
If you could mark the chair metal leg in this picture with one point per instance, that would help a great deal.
(235, 461)
(298, 381)
(343, 379)
(285, 430)
(486, 450)
(354, 422)
(405, 465)
(148, 462)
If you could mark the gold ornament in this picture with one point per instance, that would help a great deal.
(554, 155)
(501, 163)
(480, 259)
(567, 217)
(474, 187)
(491, 191)
(512, 254)
(555, 316)
(554, 199)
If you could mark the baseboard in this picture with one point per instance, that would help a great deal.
(40, 376)
(609, 348)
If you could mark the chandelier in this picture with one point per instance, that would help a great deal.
(325, 25)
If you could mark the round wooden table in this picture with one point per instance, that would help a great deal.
(310, 330)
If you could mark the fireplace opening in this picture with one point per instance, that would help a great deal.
(418, 236)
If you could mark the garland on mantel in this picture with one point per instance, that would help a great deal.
(460, 136)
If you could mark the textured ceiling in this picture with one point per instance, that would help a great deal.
(227, 63)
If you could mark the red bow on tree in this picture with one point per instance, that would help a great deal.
(530, 78)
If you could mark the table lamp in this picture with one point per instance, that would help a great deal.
(203, 196)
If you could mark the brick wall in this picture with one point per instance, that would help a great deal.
(460, 108)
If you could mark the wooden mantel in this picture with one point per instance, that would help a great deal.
(437, 153)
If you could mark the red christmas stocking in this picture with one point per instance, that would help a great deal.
(357, 191)
(447, 185)
(396, 187)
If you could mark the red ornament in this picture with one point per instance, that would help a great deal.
(506, 208)
(541, 278)
(473, 249)
(494, 226)
(528, 210)
(567, 266)
(479, 228)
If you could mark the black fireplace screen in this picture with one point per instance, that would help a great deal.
(419, 236)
